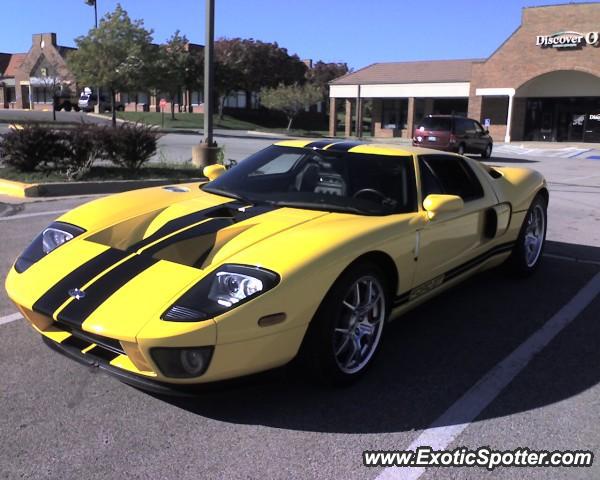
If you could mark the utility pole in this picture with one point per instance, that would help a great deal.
(94, 3)
(205, 153)
(209, 72)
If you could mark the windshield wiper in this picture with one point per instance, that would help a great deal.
(318, 206)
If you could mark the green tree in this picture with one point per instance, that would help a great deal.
(249, 65)
(172, 68)
(290, 99)
(116, 55)
(322, 73)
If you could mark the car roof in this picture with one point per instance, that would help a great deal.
(359, 147)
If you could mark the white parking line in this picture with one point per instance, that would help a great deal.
(35, 214)
(10, 318)
(457, 418)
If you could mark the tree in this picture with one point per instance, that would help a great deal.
(290, 99)
(249, 65)
(322, 73)
(116, 55)
(172, 67)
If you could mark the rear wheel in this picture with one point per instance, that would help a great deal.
(527, 252)
(346, 332)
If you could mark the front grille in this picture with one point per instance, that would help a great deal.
(108, 343)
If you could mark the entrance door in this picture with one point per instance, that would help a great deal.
(25, 96)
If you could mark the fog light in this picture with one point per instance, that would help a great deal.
(182, 362)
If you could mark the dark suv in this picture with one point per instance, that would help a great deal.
(453, 134)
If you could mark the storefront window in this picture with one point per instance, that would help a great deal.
(394, 113)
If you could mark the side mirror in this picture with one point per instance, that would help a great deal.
(486, 132)
(434, 204)
(213, 171)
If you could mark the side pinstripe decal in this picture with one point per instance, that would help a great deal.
(455, 272)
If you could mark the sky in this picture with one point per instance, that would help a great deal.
(358, 32)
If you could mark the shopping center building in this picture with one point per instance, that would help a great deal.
(542, 83)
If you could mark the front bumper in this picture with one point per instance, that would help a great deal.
(99, 361)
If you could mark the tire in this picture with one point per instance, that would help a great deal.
(527, 253)
(487, 153)
(461, 149)
(336, 333)
(67, 107)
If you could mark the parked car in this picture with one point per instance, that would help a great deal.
(452, 133)
(87, 102)
(305, 249)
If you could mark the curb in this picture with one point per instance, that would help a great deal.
(60, 189)
(18, 189)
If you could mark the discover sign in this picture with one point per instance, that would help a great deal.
(567, 39)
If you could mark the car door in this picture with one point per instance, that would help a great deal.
(448, 241)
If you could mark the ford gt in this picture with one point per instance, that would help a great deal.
(305, 250)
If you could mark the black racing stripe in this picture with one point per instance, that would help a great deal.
(59, 293)
(319, 144)
(344, 146)
(206, 228)
(75, 313)
(456, 271)
(224, 209)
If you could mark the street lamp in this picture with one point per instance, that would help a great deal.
(94, 4)
(205, 153)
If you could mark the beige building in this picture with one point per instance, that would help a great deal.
(542, 83)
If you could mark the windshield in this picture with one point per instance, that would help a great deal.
(321, 180)
(439, 124)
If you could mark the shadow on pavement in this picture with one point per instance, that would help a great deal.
(431, 356)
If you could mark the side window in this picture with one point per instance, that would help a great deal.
(460, 126)
(470, 127)
(452, 175)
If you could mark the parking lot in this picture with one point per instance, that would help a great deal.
(440, 376)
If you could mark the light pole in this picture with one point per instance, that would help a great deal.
(205, 153)
(209, 72)
(94, 4)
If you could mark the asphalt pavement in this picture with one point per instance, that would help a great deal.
(62, 420)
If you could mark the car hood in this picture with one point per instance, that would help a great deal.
(132, 269)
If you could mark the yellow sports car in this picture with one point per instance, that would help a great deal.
(303, 250)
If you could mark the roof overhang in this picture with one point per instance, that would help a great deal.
(402, 90)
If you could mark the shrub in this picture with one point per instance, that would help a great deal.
(130, 145)
(82, 146)
(30, 146)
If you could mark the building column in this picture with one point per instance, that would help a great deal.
(332, 117)
(410, 117)
(359, 114)
(348, 118)
(509, 119)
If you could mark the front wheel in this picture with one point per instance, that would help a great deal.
(487, 153)
(527, 252)
(346, 332)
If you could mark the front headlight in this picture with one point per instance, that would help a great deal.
(222, 290)
(54, 237)
(47, 241)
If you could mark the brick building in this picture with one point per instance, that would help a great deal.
(28, 79)
(542, 83)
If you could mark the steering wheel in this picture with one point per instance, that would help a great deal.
(372, 191)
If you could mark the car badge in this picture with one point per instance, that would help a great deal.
(76, 293)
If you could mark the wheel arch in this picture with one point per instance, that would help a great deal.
(545, 194)
(385, 262)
